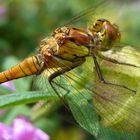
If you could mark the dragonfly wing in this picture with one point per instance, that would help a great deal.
(118, 104)
(116, 107)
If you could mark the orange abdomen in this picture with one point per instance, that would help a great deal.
(28, 66)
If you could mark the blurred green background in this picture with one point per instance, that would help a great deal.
(24, 23)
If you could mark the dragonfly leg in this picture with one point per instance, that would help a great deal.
(98, 70)
(60, 72)
(54, 88)
(101, 78)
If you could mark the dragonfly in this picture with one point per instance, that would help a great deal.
(68, 48)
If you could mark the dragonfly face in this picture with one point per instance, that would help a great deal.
(105, 33)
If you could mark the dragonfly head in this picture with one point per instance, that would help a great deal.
(106, 33)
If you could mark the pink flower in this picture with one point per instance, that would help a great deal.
(3, 14)
(2, 10)
(21, 129)
(1, 112)
(9, 85)
(4, 132)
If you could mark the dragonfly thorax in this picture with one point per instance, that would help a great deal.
(66, 43)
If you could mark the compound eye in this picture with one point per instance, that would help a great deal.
(96, 24)
(102, 20)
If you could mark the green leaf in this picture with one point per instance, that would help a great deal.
(108, 134)
(24, 98)
(84, 113)
(4, 90)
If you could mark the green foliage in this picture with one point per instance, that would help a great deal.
(25, 23)
(24, 98)
(84, 113)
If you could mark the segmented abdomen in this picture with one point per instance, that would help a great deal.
(28, 66)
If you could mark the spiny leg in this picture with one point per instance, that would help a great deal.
(98, 70)
(101, 78)
(60, 72)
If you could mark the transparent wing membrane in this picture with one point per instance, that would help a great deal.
(120, 54)
(97, 7)
(117, 107)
